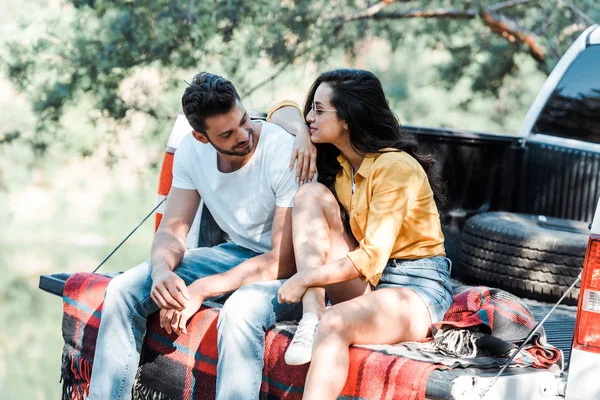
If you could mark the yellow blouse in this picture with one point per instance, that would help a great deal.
(392, 211)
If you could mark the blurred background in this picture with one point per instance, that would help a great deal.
(89, 90)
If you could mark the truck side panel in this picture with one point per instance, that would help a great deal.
(561, 182)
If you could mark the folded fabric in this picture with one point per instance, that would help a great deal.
(184, 367)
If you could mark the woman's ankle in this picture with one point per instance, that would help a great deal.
(313, 301)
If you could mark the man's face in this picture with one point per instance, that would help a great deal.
(231, 133)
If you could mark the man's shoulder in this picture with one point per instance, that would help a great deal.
(276, 147)
(186, 141)
(275, 133)
(276, 141)
(189, 142)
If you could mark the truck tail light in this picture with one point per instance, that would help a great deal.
(164, 183)
(587, 328)
(179, 130)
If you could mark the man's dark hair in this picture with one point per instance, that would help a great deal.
(208, 95)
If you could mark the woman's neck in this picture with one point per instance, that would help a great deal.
(351, 155)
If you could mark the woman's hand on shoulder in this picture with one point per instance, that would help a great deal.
(304, 156)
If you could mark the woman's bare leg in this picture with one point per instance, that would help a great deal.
(319, 237)
(382, 317)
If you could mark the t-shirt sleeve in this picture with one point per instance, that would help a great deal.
(181, 177)
(395, 187)
(283, 179)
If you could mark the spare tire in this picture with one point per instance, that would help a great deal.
(529, 255)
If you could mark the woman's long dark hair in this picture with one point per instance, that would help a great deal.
(358, 97)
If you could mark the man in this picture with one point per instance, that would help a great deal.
(240, 168)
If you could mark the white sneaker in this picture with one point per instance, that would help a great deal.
(300, 350)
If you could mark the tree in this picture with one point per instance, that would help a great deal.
(88, 48)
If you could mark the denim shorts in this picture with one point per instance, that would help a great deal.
(428, 277)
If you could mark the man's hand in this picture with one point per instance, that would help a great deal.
(169, 291)
(175, 320)
(293, 289)
(305, 153)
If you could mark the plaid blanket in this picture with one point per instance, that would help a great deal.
(485, 321)
(184, 367)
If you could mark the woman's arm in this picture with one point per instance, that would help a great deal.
(338, 271)
(294, 288)
(289, 117)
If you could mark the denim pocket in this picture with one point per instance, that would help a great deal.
(430, 268)
(429, 273)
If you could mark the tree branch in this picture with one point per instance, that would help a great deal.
(555, 48)
(579, 13)
(436, 13)
(55, 57)
(510, 31)
(280, 70)
(266, 80)
(454, 13)
(368, 13)
(190, 13)
(509, 4)
(500, 25)
(50, 38)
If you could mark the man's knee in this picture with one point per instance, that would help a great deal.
(130, 285)
(118, 287)
(249, 306)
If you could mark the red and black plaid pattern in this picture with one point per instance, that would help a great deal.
(506, 319)
(184, 367)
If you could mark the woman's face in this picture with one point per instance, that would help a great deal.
(325, 125)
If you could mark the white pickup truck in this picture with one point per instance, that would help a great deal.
(518, 218)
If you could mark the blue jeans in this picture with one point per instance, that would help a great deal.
(243, 320)
(428, 277)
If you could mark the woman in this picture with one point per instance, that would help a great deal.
(368, 234)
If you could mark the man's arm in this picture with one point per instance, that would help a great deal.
(168, 290)
(278, 263)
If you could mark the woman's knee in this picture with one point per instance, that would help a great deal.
(313, 196)
(333, 323)
(312, 193)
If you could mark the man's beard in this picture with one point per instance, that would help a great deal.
(240, 152)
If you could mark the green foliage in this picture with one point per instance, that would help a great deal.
(88, 48)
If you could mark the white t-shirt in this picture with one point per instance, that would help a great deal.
(242, 202)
